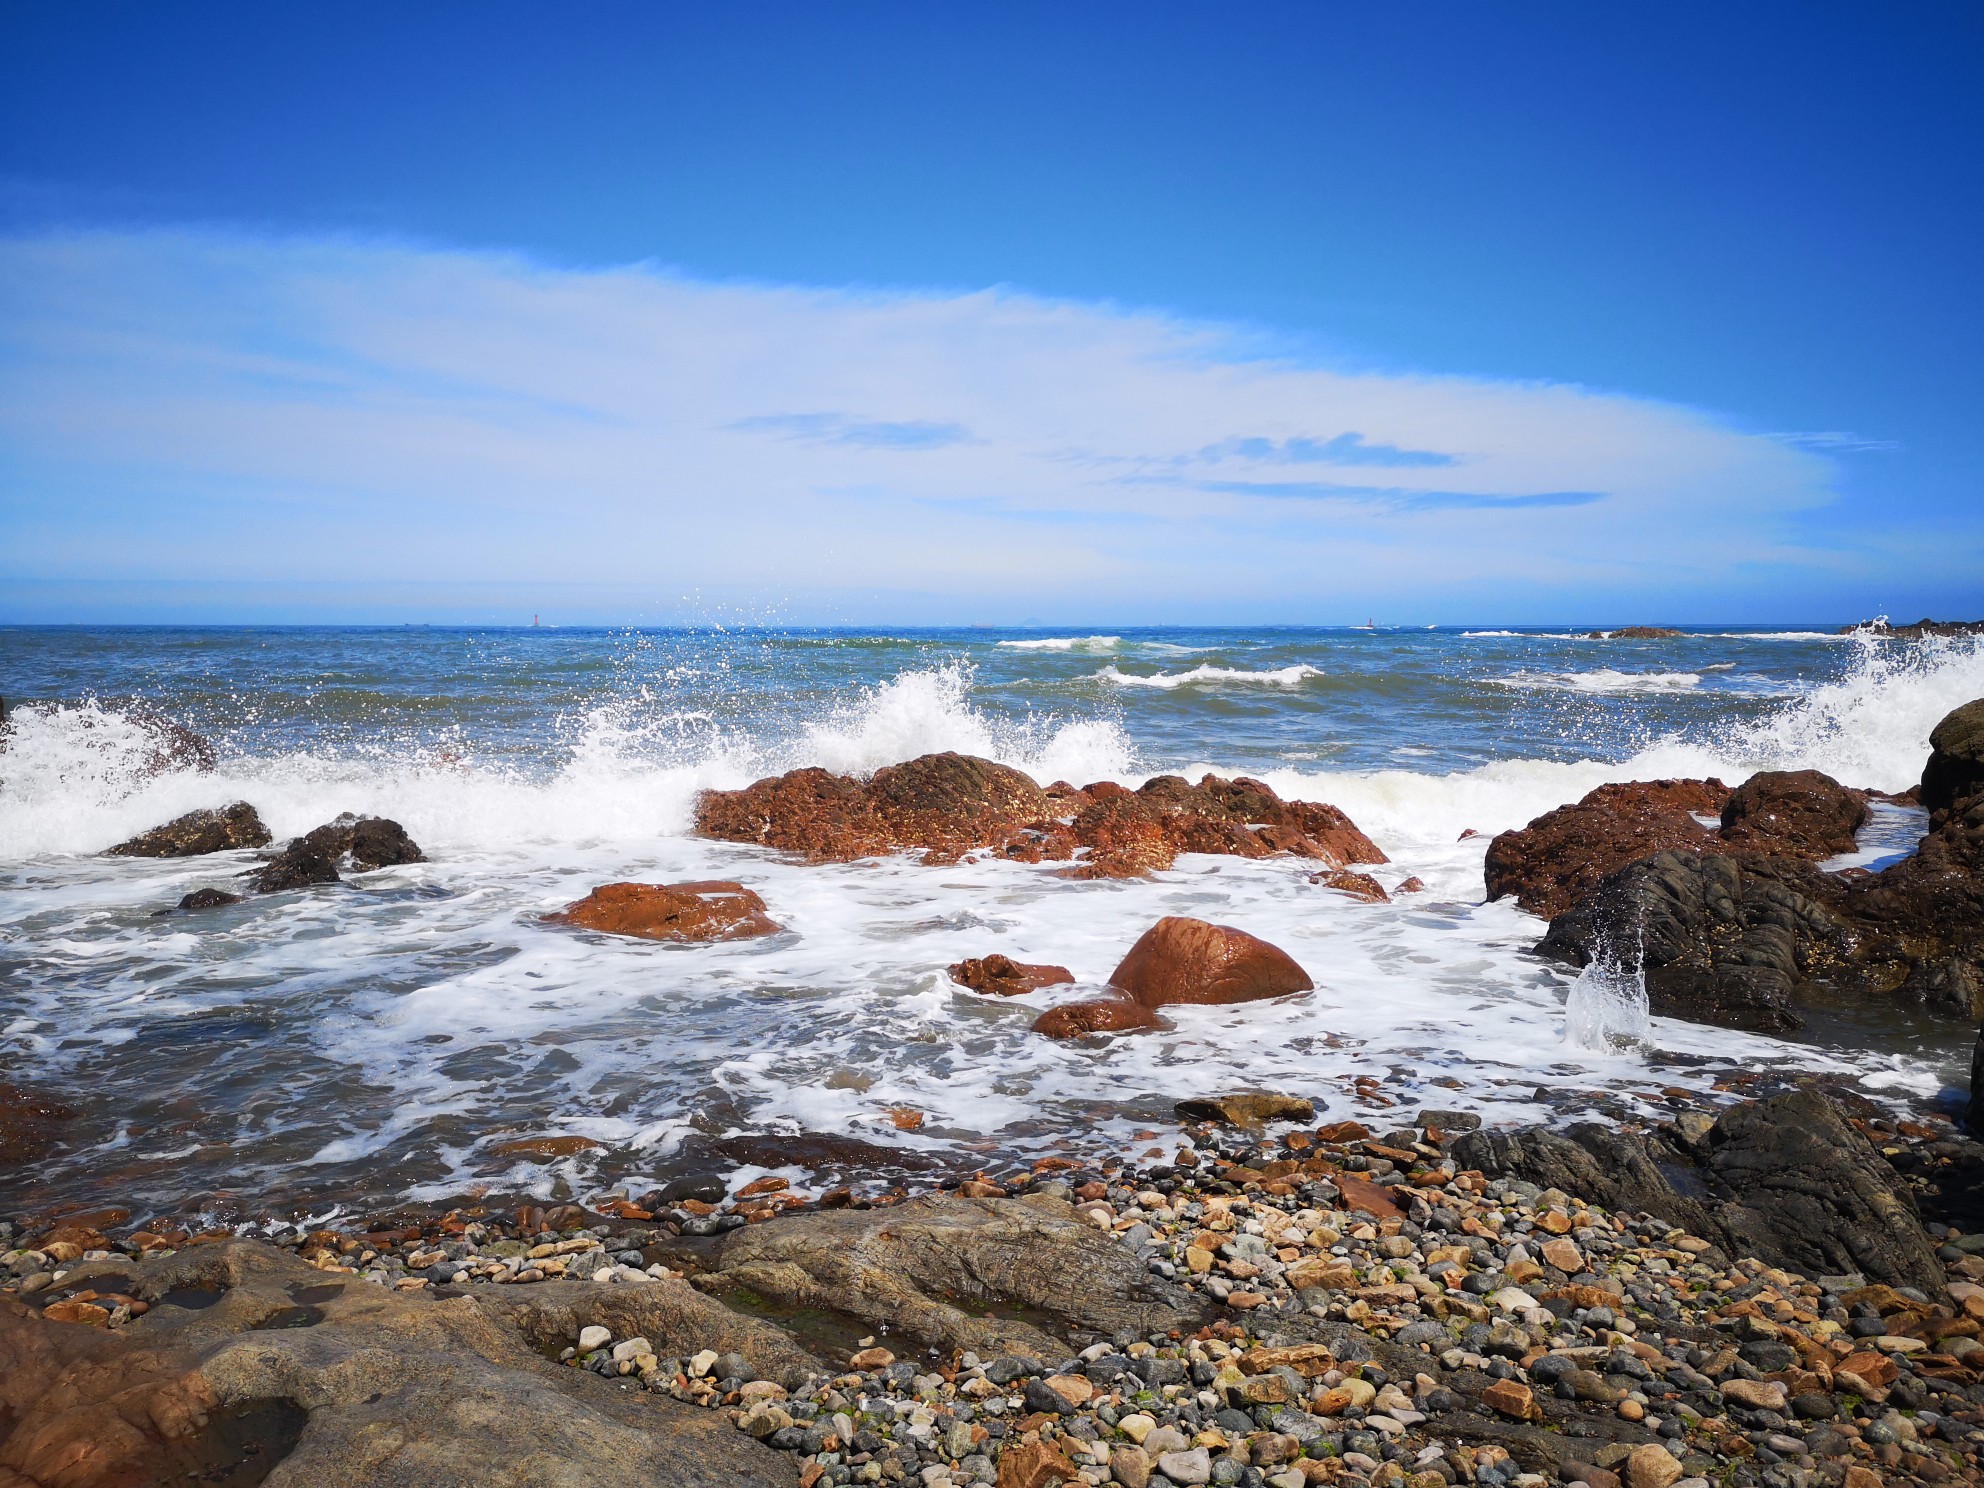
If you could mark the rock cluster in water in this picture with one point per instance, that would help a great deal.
(947, 805)
(1327, 1306)
(1736, 923)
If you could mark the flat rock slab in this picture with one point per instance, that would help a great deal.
(252, 1367)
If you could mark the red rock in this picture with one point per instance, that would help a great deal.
(1102, 1015)
(1343, 1131)
(1511, 1399)
(707, 910)
(75, 1311)
(1362, 1195)
(906, 1118)
(1357, 885)
(1180, 961)
(1793, 813)
(827, 817)
(1035, 1464)
(1563, 854)
(1003, 977)
(1413, 885)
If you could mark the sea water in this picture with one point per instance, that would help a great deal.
(384, 1040)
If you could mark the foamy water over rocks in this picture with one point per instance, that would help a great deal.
(390, 1036)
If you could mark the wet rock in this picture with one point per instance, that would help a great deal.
(362, 843)
(1250, 1110)
(171, 745)
(903, 1266)
(1793, 813)
(950, 804)
(30, 1125)
(1723, 939)
(1636, 633)
(1955, 769)
(222, 829)
(371, 1386)
(1357, 885)
(1001, 976)
(1097, 1015)
(1562, 855)
(208, 899)
(1787, 1179)
(707, 910)
(1186, 961)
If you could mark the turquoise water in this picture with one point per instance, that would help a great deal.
(381, 1040)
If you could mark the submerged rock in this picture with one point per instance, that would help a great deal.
(1181, 960)
(1249, 1109)
(30, 1124)
(211, 830)
(702, 911)
(207, 899)
(1001, 976)
(1097, 1015)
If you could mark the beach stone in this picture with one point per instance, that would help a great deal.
(1651, 1466)
(1357, 885)
(1097, 1015)
(1181, 960)
(1191, 1466)
(1000, 976)
(706, 910)
(208, 899)
(1755, 1394)
(1564, 1255)
(594, 1337)
(1510, 1399)
(1036, 1464)
(1131, 1466)
(211, 830)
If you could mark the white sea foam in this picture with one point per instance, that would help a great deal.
(1604, 679)
(1213, 676)
(1066, 643)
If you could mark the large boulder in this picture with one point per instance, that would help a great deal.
(908, 1267)
(1955, 769)
(825, 817)
(1721, 939)
(951, 803)
(251, 1364)
(1788, 1180)
(1793, 813)
(1181, 960)
(210, 830)
(702, 911)
(1562, 855)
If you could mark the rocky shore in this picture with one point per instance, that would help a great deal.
(1426, 1306)
(1785, 1291)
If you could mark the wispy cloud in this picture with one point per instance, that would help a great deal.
(196, 405)
(1343, 449)
(836, 428)
(1836, 441)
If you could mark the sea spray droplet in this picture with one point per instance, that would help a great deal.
(1606, 1012)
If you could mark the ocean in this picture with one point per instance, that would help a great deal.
(358, 1046)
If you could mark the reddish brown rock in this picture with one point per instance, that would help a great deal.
(1793, 813)
(1357, 885)
(949, 804)
(711, 909)
(1180, 960)
(1562, 855)
(546, 1148)
(30, 1124)
(1001, 976)
(1035, 1464)
(1102, 1015)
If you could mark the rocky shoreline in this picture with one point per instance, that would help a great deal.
(1746, 1295)
(1429, 1305)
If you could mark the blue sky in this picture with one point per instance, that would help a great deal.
(864, 312)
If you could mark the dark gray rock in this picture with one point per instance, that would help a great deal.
(212, 830)
(1788, 1180)
(1955, 769)
(362, 843)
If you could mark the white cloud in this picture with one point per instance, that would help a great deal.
(186, 405)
